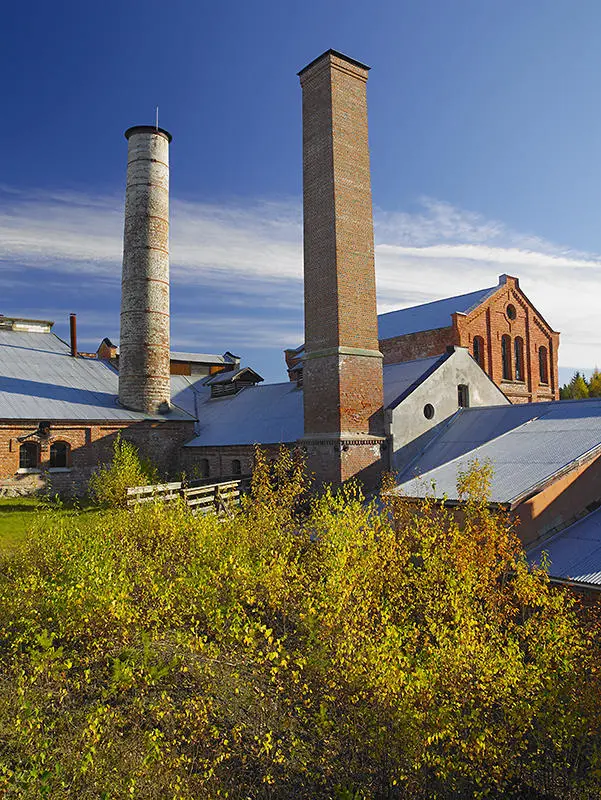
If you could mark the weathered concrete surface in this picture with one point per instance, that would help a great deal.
(409, 427)
(144, 347)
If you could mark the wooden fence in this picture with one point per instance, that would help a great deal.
(219, 498)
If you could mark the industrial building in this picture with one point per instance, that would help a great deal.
(418, 391)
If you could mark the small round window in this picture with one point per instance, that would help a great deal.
(511, 311)
(429, 411)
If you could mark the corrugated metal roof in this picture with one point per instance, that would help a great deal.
(574, 553)
(400, 378)
(258, 414)
(271, 413)
(39, 379)
(525, 444)
(429, 316)
(200, 358)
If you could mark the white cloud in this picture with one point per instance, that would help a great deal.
(253, 255)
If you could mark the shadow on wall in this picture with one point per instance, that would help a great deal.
(89, 446)
(566, 500)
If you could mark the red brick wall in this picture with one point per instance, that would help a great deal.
(422, 344)
(343, 391)
(491, 321)
(91, 445)
(220, 459)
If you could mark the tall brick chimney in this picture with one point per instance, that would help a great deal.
(342, 372)
(144, 383)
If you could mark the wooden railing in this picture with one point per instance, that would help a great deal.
(219, 498)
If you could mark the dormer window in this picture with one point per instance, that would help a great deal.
(228, 383)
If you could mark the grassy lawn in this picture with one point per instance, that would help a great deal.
(17, 518)
(17, 515)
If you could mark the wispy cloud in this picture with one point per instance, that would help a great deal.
(243, 264)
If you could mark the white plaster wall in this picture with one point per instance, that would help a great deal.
(410, 429)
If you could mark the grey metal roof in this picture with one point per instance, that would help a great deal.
(525, 444)
(271, 413)
(400, 379)
(429, 316)
(574, 553)
(39, 379)
(200, 358)
(266, 414)
(244, 373)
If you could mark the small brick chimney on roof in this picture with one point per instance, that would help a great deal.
(144, 383)
(342, 372)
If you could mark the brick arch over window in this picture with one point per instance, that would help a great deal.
(506, 356)
(478, 350)
(543, 364)
(518, 358)
(60, 455)
(29, 455)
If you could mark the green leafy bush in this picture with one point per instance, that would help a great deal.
(109, 483)
(353, 651)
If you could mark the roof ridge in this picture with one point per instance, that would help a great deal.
(440, 300)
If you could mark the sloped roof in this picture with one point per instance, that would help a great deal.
(242, 374)
(192, 358)
(258, 414)
(526, 445)
(39, 379)
(401, 379)
(429, 316)
(271, 413)
(574, 553)
(203, 358)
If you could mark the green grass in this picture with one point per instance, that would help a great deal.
(18, 516)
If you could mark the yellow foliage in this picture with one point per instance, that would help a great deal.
(330, 648)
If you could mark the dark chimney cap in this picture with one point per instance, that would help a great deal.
(338, 54)
(147, 129)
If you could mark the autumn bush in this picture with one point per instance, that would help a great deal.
(333, 649)
(109, 482)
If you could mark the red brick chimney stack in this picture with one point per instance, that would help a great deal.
(342, 372)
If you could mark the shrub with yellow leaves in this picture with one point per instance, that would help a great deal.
(326, 649)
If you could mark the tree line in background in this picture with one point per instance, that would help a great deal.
(579, 388)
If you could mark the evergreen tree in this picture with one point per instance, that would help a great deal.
(579, 387)
(594, 385)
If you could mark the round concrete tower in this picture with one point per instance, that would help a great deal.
(144, 383)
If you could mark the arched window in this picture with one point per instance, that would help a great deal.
(518, 348)
(506, 357)
(236, 467)
(29, 455)
(543, 365)
(204, 468)
(60, 454)
(479, 350)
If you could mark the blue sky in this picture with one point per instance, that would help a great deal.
(485, 134)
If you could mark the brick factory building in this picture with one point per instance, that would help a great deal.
(499, 326)
(419, 390)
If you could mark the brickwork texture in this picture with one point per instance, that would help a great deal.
(144, 345)
(508, 312)
(342, 380)
(91, 444)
